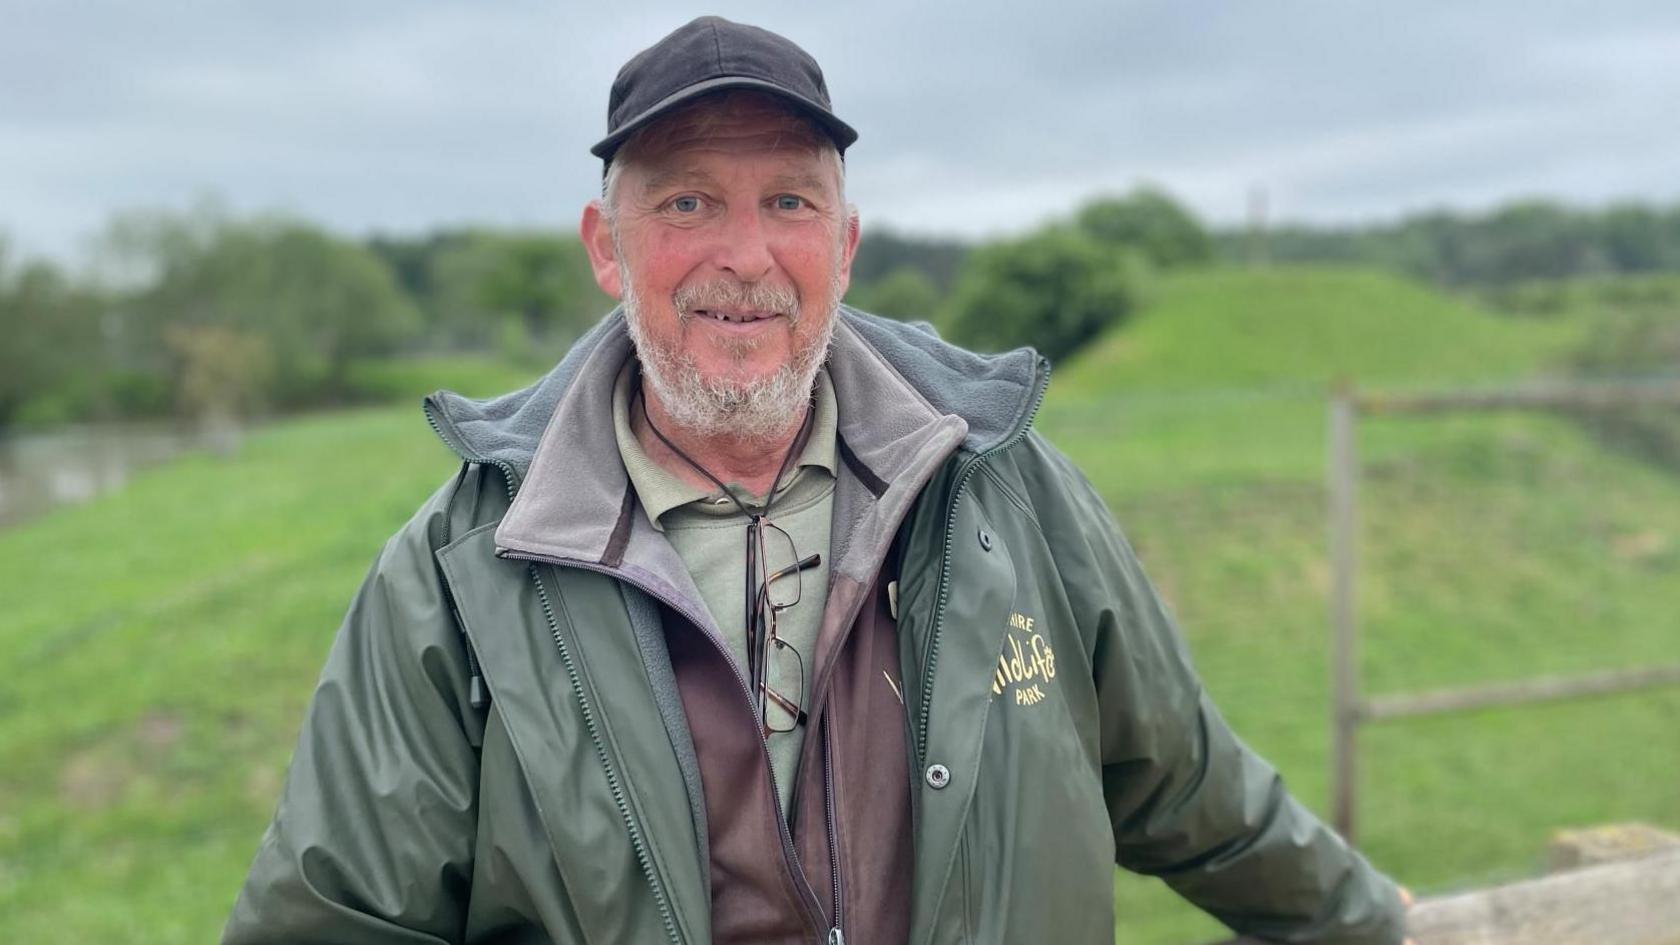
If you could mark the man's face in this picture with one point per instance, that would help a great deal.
(731, 246)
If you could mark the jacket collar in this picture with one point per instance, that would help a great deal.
(906, 399)
(994, 394)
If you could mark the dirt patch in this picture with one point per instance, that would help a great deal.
(93, 779)
(159, 731)
(1639, 546)
(262, 785)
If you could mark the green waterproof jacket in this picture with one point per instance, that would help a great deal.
(495, 751)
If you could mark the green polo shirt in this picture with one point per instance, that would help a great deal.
(708, 532)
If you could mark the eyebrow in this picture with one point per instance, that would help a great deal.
(667, 178)
(799, 181)
(660, 180)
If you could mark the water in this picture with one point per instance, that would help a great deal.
(40, 471)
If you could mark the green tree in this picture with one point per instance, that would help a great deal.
(482, 279)
(545, 281)
(290, 296)
(220, 372)
(905, 293)
(1533, 239)
(1055, 289)
(1635, 240)
(1512, 244)
(1150, 222)
(881, 251)
(50, 349)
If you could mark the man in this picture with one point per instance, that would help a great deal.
(764, 620)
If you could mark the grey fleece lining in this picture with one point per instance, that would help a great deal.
(994, 393)
(504, 431)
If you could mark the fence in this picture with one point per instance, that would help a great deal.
(1350, 708)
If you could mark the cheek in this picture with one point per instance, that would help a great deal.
(662, 258)
(812, 260)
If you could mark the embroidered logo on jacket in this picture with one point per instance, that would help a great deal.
(1027, 663)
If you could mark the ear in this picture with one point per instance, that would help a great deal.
(849, 250)
(598, 242)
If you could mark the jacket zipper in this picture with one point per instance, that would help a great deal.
(835, 934)
(636, 842)
(813, 908)
(930, 655)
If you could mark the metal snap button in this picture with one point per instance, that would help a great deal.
(985, 540)
(938, 776)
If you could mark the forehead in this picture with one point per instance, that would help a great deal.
(731, 125)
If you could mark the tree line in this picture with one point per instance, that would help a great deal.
(1517, 242)
(205, 314)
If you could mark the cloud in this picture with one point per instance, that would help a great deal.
(975, 118)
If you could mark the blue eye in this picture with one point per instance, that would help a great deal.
(790, 202)
(686, 204)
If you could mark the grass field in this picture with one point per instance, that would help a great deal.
(160, 643)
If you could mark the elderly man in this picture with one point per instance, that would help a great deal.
(764, 620)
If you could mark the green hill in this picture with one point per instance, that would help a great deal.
(160, 643)
(1288, 327)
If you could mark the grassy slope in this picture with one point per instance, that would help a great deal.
(159, 646)
(154, 685)
(1494, 548)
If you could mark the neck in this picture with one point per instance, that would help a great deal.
(753, 463)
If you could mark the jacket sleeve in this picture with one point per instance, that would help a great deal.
(373, 838)
(1187, 800)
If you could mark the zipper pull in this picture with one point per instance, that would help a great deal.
(836, 937)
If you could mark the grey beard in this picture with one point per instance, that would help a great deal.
(757, 410)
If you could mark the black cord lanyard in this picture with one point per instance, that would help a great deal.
(755, 522)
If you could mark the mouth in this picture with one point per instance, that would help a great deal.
(735, 316)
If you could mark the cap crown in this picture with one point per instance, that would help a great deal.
(709, 54)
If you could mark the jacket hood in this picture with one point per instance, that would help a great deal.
(994, 394)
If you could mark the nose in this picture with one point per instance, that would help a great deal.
(744, 247)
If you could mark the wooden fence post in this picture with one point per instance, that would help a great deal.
(1344, 557)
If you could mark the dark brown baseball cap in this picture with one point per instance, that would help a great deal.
(708, 55)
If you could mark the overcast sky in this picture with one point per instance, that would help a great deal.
(976, 118)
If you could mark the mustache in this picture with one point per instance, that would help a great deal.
(728, 293)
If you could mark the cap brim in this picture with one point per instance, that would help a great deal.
(842, 133)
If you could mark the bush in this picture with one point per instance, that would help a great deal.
(1056, 290)
(1637, 335)
(1150, 223)
(906, 293)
